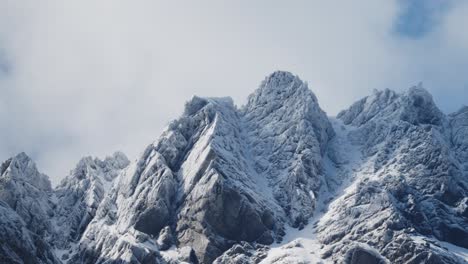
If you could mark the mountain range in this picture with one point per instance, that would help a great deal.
(273, 181)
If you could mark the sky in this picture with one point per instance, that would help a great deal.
(92, 77)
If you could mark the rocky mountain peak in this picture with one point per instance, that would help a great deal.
(279, 79)
(419, 107)
(415, 106)
(194, 105)
(22, 168)
(369, 107)
(283, 97)
(79, 195)
(27, 192)
(118, 160)
(92, 167)
(463, 111)
(278, 87)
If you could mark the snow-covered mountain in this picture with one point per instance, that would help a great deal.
(274, 181)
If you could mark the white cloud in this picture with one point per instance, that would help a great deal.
(90, 77)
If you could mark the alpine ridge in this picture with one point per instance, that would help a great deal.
(273, 181)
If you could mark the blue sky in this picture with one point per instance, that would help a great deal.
(419, 17)
(92, 77)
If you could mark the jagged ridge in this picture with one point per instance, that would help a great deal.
(222, 183)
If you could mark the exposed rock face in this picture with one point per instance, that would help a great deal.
(79, 194)
(25, 211)
(410, 183)
(275, 181)
(211, 180)
(289, 134)
(27, 192)
(44, 219)
(362, 256)
(459, 136)
(18, 244)
(244, 253)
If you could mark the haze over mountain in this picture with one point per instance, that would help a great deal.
(273, 181)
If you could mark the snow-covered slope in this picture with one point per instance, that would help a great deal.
(25, 213)
(41, 224)
(18, 244)
(79, 195)
(27, 191)
(219, 175)
(275, 181)
(410, 183)
(288, 134)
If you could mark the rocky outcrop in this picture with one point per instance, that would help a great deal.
(409, 183)
(25, 213)
(362, 256)
(243, 253)
(45, 219)
(18, 244)
(27, 191)
(289, 134)
(79, 195)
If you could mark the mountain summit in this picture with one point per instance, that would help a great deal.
(274, 181)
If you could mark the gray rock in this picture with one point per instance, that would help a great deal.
(362, 256)
(165, 239)
(27, 191)
(18, 244)
(79, 195)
